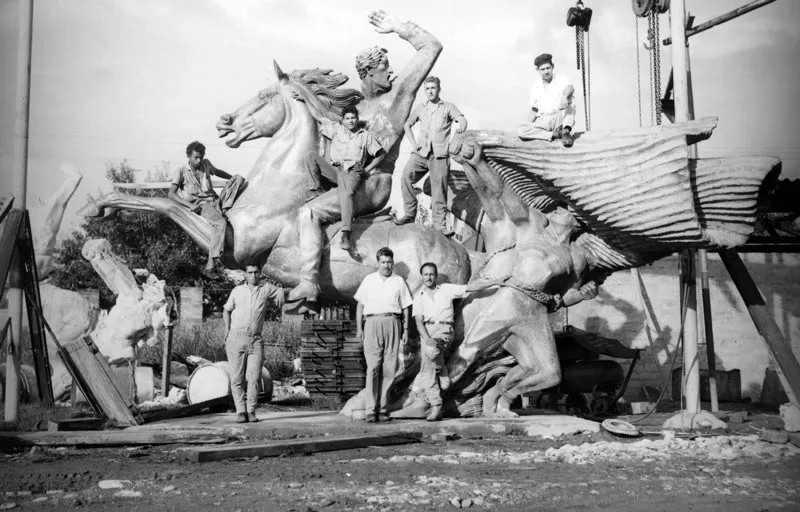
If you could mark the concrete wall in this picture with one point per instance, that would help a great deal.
(617, 312)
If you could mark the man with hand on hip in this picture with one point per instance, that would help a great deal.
(384, 306)
(243, 315)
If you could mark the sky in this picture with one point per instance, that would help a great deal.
(140, 79)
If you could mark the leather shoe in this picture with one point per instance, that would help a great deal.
(242, 417)
(567, 139)
(405, 219)
(435, 414)
(252, 418)
(448, 232)
(371, 418)
(345, 244)
(384, 417)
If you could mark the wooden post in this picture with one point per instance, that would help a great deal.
(19, 189)
(779, 348)
(166, 363)
(680, 73)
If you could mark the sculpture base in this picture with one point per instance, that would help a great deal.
(686, 420)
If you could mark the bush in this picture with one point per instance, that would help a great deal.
(281, 340)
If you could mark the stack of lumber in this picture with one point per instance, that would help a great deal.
(333, 359)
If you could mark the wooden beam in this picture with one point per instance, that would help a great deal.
(722, 19)
(112, 438)
(72, 424)
(7, 203)
(779, 347)
(189, 410)
(297, 446)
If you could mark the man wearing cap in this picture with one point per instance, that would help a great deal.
(384, 304)
(552, 113)
(434, 314)
(243, 316)
(435, 118)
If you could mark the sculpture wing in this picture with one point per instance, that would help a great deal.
(636, 192)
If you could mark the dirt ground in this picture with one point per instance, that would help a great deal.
(507, 472)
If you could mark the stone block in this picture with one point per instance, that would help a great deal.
(775, 436)
(191, 311)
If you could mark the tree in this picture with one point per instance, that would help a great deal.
(143, 240)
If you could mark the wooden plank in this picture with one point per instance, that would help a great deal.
(97, 377)
(109, 438)
(188, 410)
(69, 425)
(297, 446)
(8, 243)
(778, 346)
(44, 384)
(5, 206)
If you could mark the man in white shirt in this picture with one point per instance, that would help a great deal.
(383, 299)
(552, 113)
(243, 315)
(434, 314)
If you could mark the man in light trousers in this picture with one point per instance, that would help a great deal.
(384, 306)
(243, 315)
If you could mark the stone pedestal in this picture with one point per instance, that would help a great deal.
(191, 311)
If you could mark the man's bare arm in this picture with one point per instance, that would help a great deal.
(173, 194)
(424, 335)
(360, 322)
(375, 161)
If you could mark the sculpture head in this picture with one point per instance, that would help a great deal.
(266, 113)
(561, 224)
(432, 87)
(374, 70)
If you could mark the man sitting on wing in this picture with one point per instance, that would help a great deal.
(552, 113)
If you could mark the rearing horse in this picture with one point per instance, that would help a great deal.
(266, 220)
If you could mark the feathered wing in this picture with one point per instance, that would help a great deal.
(636, 192)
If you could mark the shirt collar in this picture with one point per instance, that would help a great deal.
(429, 102)
(426, 290)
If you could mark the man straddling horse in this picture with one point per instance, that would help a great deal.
(387, 103)
(354, 155)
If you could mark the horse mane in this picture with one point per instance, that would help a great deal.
(324, 84)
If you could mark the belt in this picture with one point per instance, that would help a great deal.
(436, 322)
(396, 315)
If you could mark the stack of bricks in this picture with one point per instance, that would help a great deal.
(333, 359)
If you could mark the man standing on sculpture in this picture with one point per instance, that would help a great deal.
(354, 154)
(435, 117)
(243, 315)
(552, 113)
(191, 186)
(434, 314)
(382, 322)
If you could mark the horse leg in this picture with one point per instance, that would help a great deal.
(533, 346)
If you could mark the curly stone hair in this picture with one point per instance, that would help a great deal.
(368, 59)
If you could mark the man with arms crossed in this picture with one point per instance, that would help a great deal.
(383, 298)
(435, 117)
(434, 314)
(243, 315)
(552, 113)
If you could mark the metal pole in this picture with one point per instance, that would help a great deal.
(166, 363)
(19, 189)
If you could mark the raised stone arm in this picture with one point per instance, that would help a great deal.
(110, 267)
(411, 77)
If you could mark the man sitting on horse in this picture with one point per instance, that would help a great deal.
(354, 154)
(191, 186)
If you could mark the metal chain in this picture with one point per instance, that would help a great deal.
(588, 62)
(652, 66)
(581, 50)
(638, 71)
(657, 64)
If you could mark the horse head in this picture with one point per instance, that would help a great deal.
(274, 106)
(261, 116)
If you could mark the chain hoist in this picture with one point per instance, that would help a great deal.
(580, 17)
(650, 9)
